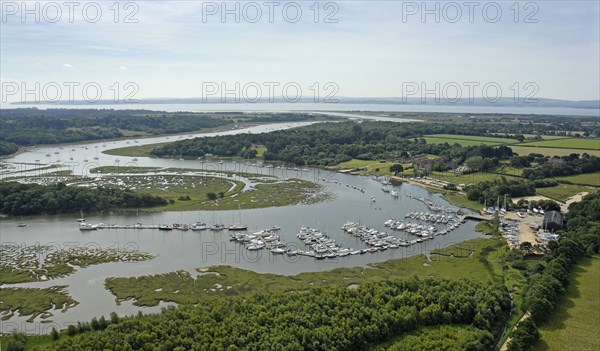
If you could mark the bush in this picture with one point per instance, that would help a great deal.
(524, 335)
(545, 183)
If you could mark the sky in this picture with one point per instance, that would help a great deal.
(183, 49)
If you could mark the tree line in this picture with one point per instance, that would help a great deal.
(328, 318)
(548, 167)
(33, 199)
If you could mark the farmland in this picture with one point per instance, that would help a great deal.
(576, 316)
(569, 143)
(586, 178)
(525, 149)
(466, 140)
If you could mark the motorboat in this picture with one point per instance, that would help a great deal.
(199, 226)
(278, 250)
(85, 227)
(217, 227)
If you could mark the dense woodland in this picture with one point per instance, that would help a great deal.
(33, 199)
(331, 143)
(30, 126)
(332, 318)
(489, 192)
(7, 148)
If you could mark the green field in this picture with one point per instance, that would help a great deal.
(366, 167)
(461, 200)
(575, 323)
(568, 143)
(469, 178)
(260, 151)
(562, 192)
(545, 137)
(587, 178)
(524, 150)
(467, 140)
(134, 151)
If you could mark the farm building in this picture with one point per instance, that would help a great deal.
(553, 221)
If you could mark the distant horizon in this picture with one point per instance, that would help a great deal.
(408, 100)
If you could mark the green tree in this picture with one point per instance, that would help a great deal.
(396, 168)
(475, 163)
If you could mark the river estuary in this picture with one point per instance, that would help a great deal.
(188, 250)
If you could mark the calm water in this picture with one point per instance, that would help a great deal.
(308, 107)
(189, 250)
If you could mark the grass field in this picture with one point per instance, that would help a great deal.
(575, 323)
(545, 137)
(462, 201)
(367, 167)
(569, 143)
(588, 178)
(467, 140)
(523, 150)
(260, 151)
(133, 151)
(469, 178)
(133, 133)
(505, 168)
(474, 137)
(562, 191)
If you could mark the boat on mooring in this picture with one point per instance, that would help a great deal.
(198, 226)
(87, 226)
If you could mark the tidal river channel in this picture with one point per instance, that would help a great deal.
(187, 250)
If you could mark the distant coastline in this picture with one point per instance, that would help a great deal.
(543, 107)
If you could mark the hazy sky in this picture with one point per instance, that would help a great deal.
(371, 49)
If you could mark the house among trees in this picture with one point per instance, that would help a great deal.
(553, 221)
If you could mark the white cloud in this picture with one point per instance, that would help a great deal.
(123, 68)
(66, 65)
